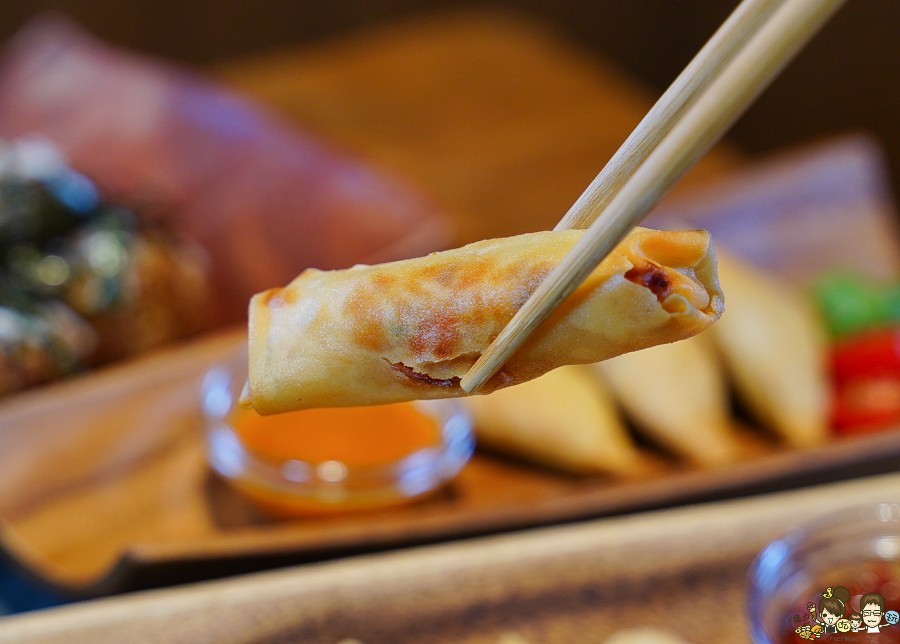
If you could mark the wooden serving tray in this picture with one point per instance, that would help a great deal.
(683, 570)
(104, 486)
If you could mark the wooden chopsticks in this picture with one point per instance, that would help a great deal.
(729, 92)
(718, 51)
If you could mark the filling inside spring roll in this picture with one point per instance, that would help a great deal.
(411, 329)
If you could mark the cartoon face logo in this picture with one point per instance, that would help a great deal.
(871, 614)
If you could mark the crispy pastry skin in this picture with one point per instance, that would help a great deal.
(411, 329)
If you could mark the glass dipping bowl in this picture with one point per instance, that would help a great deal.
(857, 548)
(293, 487)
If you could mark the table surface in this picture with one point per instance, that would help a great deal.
(572, 584)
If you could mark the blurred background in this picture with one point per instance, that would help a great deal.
(845, 80)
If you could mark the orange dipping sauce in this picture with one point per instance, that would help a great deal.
(355, 436)
(359, 438)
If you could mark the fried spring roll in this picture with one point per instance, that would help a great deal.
(411, 329)
(774, 347)
(564, 419)
(676, 394)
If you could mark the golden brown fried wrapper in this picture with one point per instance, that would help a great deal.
(411, 329)
(564, 419)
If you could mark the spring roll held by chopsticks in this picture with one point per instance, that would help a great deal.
(411, 329)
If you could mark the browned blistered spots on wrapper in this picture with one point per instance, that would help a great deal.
(275, 298)
(436, 334)
(435, 306)
(365, 318)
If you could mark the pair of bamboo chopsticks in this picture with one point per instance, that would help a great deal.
(739, 61)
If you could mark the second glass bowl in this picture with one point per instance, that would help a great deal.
(798, 576)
